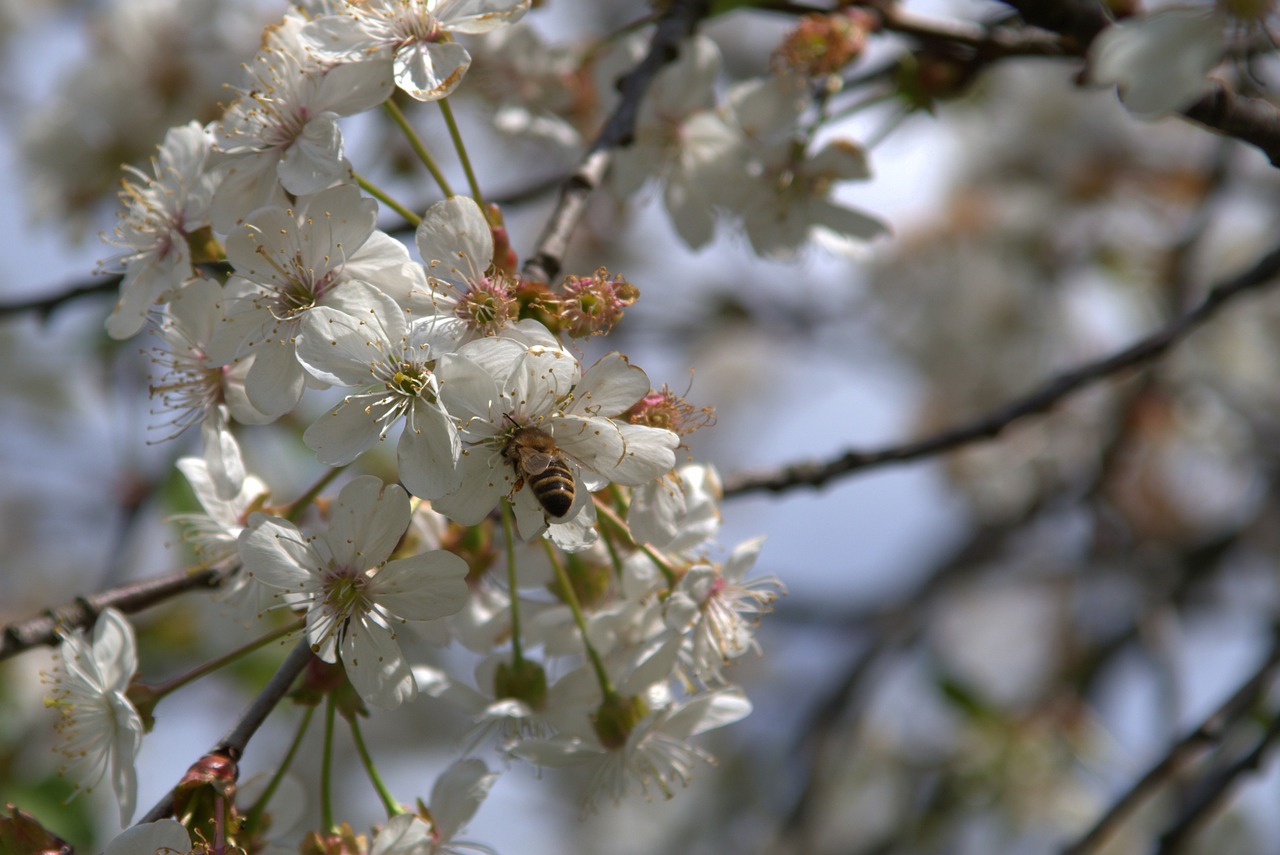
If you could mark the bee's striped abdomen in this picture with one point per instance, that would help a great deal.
(553, 487)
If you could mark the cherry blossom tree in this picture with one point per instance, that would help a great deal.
(957, 536)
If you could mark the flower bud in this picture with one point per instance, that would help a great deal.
(504, 256)
(616, 717)
(204, 798)
(525, 681)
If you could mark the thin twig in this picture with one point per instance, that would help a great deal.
(677, 23)
(44, 306)
(817, 473)
(233, 744)
(1207, 733)
(82, 611)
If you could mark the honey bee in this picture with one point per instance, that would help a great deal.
(537, 460)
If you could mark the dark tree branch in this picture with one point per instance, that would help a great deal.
(130, 598)
(1215, 792)
(675, 25)
(45, 306)
(817, 473)
(1251, 120)
(1208, 733)
(232, 745)
(986, 43)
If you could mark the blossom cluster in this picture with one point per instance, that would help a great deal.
(252, 253)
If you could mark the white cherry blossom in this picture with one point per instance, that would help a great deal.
(160, 214)
(455, 798)
(414, 34)
(789, 198)
(679, 511)
(456, 243)
(719, 608)
(99, 729)
(681, 139)
(355, 598)
(497, 386)
(658, 753)
(289, 260)
(372, 345)
(1159, 60)
(197, 387)
(213, 534)
(282, 133)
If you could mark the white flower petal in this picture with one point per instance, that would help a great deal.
(275, 553)
(165, 835)
(367, 522)
(405, 834)
(423, 587)
(347, 431)
(115, 649)
(428, 454)
(455, 241)
(127, 739)
(479, 16)
(353, 88)
(706, 712)
(375, 664)
(1159, 60)
(276, 381)
(650, 453)
(457, 795)
(429, 71)
(609, 387)
(315, 160)
(481, 487)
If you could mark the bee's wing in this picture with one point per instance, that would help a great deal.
(536, 462)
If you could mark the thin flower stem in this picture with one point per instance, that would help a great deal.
(385, 198)
(296, 509)
(508, 531)
(659, 561)
(571, 599)
(614, 558)
(212, 665)
(254, 816)
(326, 768)
(419, 147)
(609, 533)
(392, 807)
(447, 110)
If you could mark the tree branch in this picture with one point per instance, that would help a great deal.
(677, 23)
(817, 473)
(1216, 791)
(1207, 733)
(44, 306)
(129, 598)
(232, 745)
(1251, 120)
